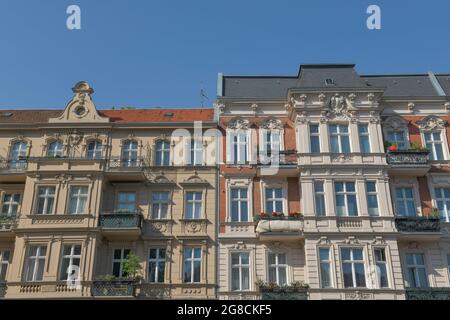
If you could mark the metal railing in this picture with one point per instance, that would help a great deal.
(121, 163)
(407, 157)
(7, 222)
(428, 294)
(113, 288)
(3, 288)
(120, 220)
(418, 224)
(13, 165)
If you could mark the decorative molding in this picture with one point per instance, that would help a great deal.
(431, 123)
(239, 124)
(272, 124)
(395, 123)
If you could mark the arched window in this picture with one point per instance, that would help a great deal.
(18, 154)
(130, 154)
(55, 149)
(162, 153)
(94, 150)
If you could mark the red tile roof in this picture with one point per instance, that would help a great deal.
(120, 116)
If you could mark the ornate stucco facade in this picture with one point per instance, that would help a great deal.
(84, 188)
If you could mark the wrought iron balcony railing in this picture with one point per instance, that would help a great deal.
(284, 158)
(13, 165)
(428, 294)
(407, 157)
(129, 164)
(7, 222)
(113, 288)
(3, 288)
(121, 220)
(418, 224)
(294, 291)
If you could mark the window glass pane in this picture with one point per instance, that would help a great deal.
(345, 144)
(359, 275)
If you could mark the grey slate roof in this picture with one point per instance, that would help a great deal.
(343, 75)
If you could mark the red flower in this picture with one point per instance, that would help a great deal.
(392, 148)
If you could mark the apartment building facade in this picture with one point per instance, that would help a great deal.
(335, 185)
(81, 189)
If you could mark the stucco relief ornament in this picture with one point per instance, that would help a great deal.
(447, 106)
(159, 226)
(411, 106)
(75, 138)
(322, 97)
(254, 108)
(431, 123)
(239, 124)
(340, 106)
(273, 124)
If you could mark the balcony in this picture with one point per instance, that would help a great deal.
(125, 170)
(294, 291)
(277, 226)
(7, 223)
(12, 171)
(402, 161)
(418, 224)
(285, 163)
(121, 223)
(114, 288)
(428, 294)
(3, 288)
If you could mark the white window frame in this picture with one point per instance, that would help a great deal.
(330, 262)
(405, 134)
(352, 261)
(126, 157)
(244, 184)
(71, 256)
(95, 153)
(240, 266)
(403, 186)
(11, 203)
(55, 152)
(386, 264)
(35, 261)
(157, 261)
(46, 196)
(126, 202)
(346, 193)
(311, 134)
(322, 194)
(195, 152)
(442, 142)
(162, 147)
(192, 260)
(339, 136)
(242, 141)
(239, 200)
(159, 202)
(278, 266)
(416, 267)
(274, 185)
(78, 198)
(4, 263)
(444, 199)
(372, 193)
(195, 202)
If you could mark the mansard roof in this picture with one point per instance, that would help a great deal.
(314, 76)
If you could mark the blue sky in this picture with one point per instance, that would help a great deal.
(160, 53)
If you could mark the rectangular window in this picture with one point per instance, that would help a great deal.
(70, 264)
(448, 264)
(271, 141)
(417, 272)
(239, 147)
(372, 198)
(398, 138)
(35, 263)
(345, 194)
(156, 264)
(239, 205)
(196, 152)
(353, 268)
(46, 200)
(314, 138)
(434, 143)
(78, 200)
(364, 141)
(274, 200)
(160, 204)
(4, 262)
(94, 150)
(381, 268)
(193, 205)
(278, 268)
(319, 197)
(443, 203)
(11, 202)
(240, 271)
(339, 138)
(119, 258)
(405, 201)
(192, 264)
(325, 268)
(126, 201)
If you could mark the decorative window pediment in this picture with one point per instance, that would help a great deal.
(195, 181)
(431, 123)
(395, 123)
(238, 124)
(272, 124)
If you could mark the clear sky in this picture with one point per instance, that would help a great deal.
(159, 53)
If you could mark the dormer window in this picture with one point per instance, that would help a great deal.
(329, 82)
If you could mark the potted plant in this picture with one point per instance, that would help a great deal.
(434, 214)
(295, 215)
(132, 267)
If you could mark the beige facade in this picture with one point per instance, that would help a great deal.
(82, 187)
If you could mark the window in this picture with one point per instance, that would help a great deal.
(78, 200)
(448, 264)
(325, 268)
(156, 264)
(372, 198)
(274, 200)
(55, 149)
(35, 263)
(130, 154)
(417, 274)
(443, 203)
(314, 138)
(364, 141)
(70, 262)
(46, 200)
(278, 268)
(405, 201)
(126, 201)
(196, 152)
(240, 271)
(162, 153)
(94, 150)
(239, 147)
(193, 205)
(319, 197)
(381, 268)
(398, 137)
(239, 205)
(120, 255)
(11, 202)
(339, 137)
(192, 264)
(353, 268)
(4, 262)
(160, 204)
(346, 199)
(271, 141)
(19, 152)
(434, 143)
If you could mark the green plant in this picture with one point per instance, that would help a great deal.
(132, 266)
(416, 146)
(108, 277)
(434, 213)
